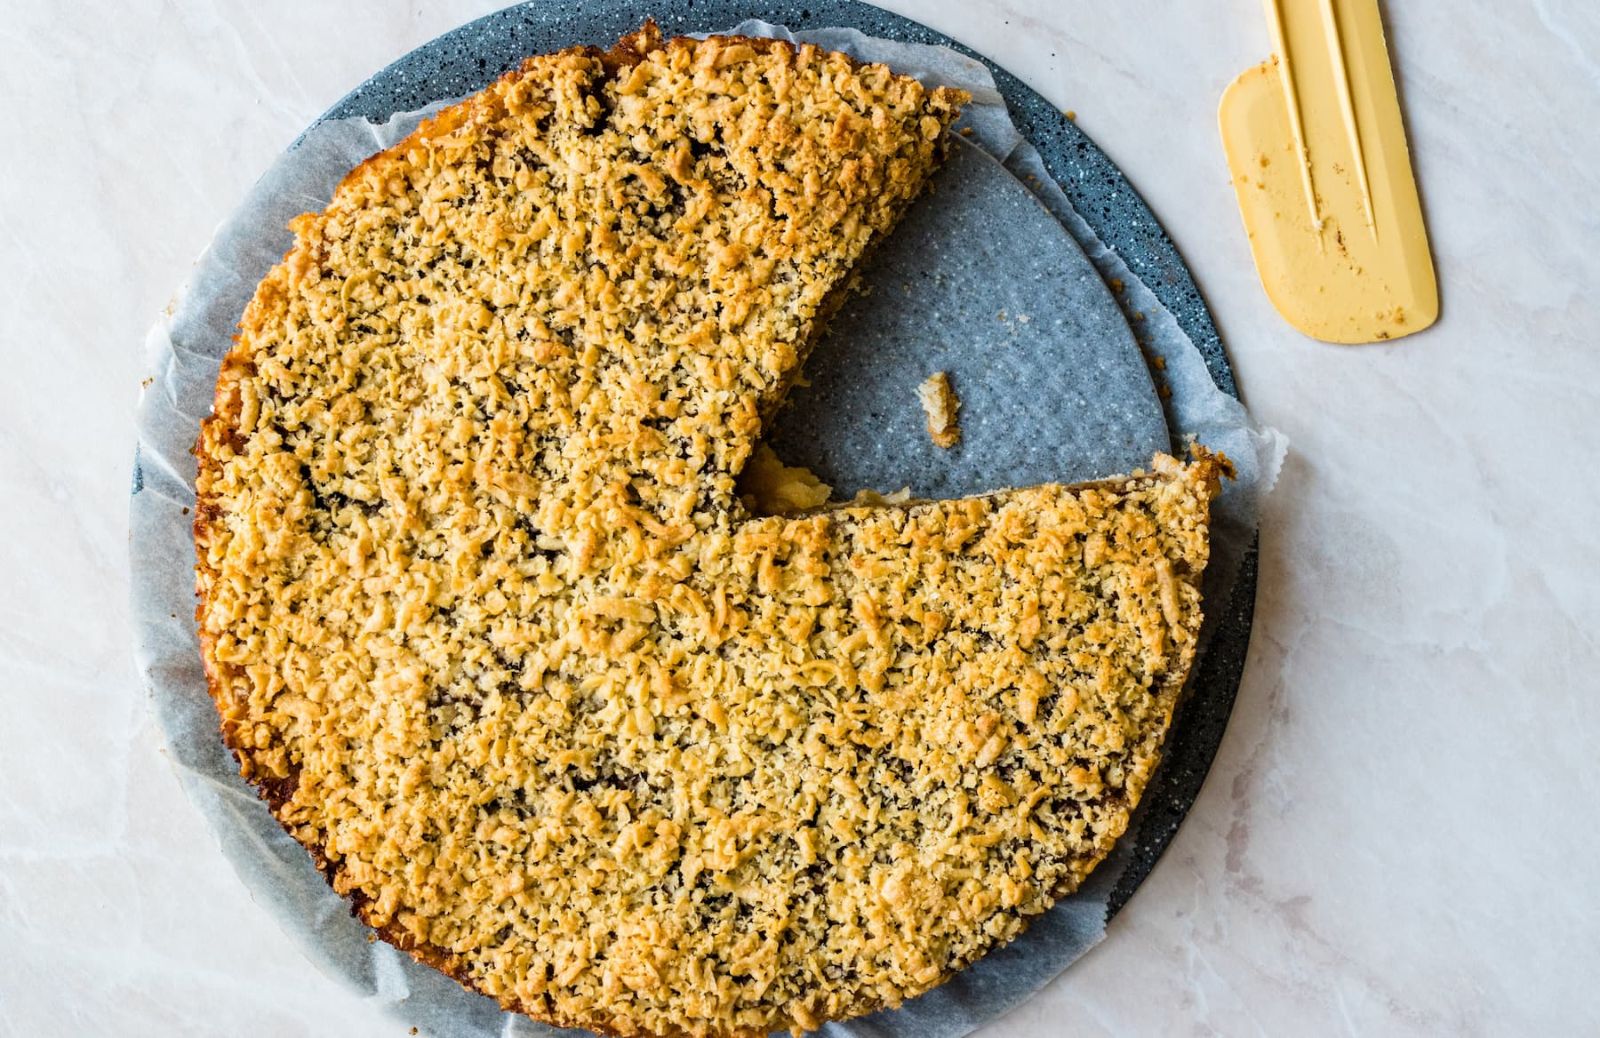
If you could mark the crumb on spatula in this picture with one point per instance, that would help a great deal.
(940, 404)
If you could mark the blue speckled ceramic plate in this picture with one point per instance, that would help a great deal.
(186, 349)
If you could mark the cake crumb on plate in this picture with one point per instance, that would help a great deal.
(940, 404)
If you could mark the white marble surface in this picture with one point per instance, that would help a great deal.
(1399, 835)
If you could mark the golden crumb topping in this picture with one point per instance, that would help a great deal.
(489, 626)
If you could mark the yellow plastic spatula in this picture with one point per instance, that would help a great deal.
(1318, 155)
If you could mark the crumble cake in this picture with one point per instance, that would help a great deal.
(491, 631)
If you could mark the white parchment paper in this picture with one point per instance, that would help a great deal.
(184, 351)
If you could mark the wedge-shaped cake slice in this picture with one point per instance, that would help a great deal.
(489, 628)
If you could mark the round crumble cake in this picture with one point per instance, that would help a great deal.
(492, 632)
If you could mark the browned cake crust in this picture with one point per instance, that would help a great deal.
(490, 630)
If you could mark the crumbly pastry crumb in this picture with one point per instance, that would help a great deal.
(491, 630)
(769, 487)
(939, 405)
(867, 496)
